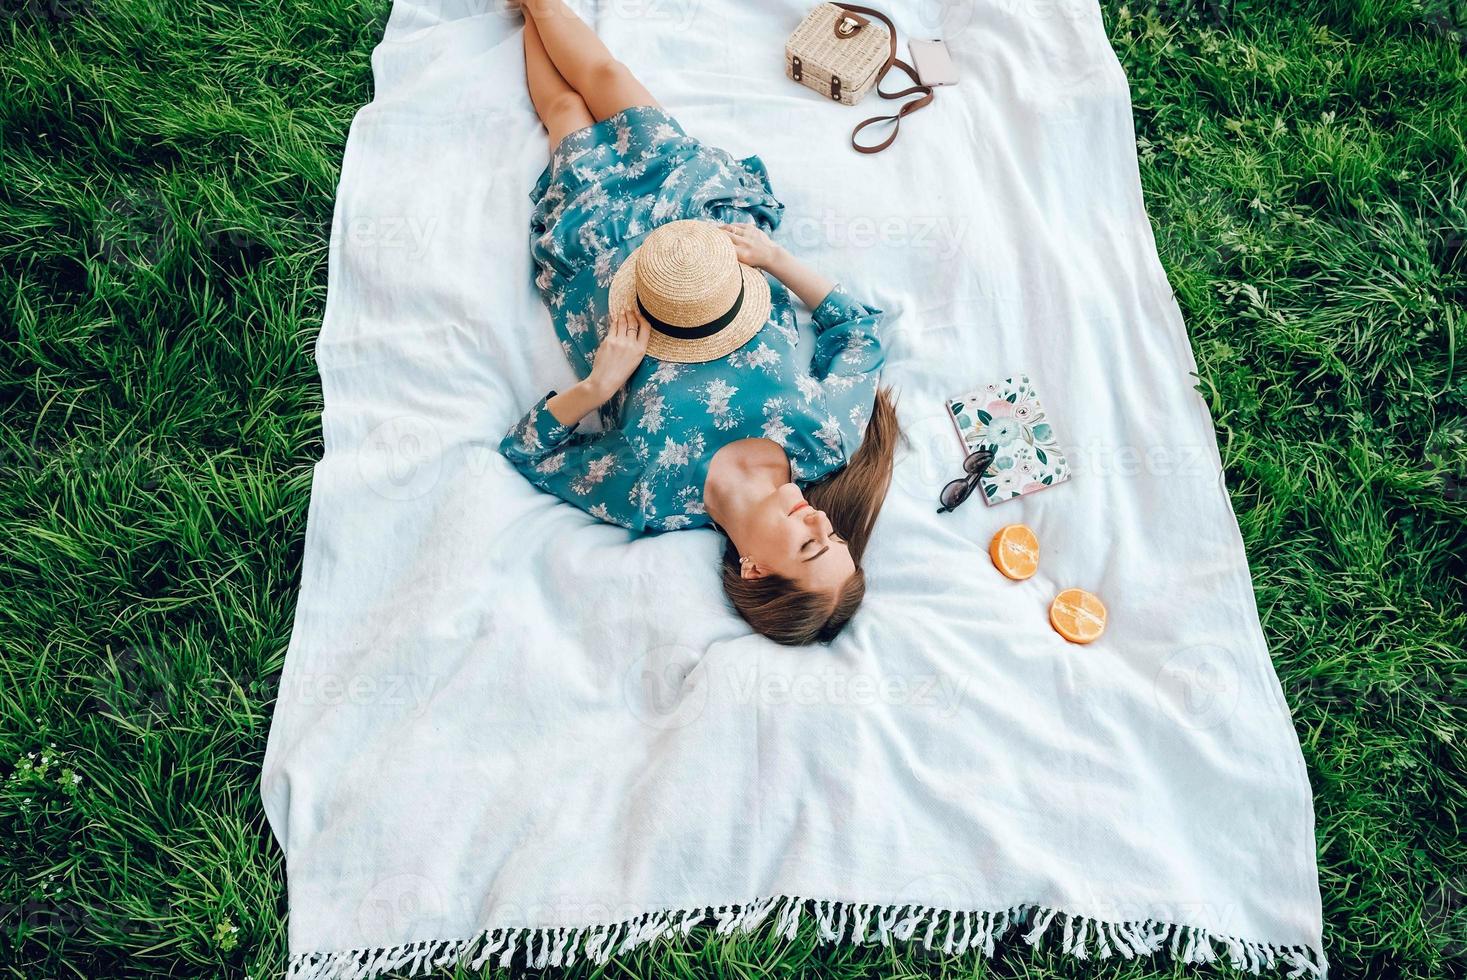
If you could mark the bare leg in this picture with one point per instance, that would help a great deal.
(558, 105)
(606, 85)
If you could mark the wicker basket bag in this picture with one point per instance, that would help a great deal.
(841, 53)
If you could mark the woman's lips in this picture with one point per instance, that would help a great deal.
(798, 507)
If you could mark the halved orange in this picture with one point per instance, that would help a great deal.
(1077, 615)
(1015, 551)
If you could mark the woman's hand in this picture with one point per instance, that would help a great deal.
(756, 248)
(752, 245)
(621, 350)
(617, 358)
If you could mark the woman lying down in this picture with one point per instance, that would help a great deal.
(690, 353)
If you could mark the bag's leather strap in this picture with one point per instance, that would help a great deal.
(892, 61)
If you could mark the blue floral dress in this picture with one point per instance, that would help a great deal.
(606, 186)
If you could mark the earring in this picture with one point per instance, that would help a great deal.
(744, 560)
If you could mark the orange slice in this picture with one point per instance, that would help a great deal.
(1077, 615)
(1015, 551)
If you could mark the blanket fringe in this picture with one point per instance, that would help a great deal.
(950, 931)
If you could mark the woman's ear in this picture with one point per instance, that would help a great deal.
(750, 570)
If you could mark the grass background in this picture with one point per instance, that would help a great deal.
(166, 180)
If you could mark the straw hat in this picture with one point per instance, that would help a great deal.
(701, 301)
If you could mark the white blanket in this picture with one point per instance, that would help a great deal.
(505, 730)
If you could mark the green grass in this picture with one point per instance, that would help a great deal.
(166, 181)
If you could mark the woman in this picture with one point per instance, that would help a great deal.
(647, 241)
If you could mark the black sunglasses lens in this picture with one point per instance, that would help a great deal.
(955, 493)
(978, 461)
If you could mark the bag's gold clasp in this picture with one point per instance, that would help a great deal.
(847, 24)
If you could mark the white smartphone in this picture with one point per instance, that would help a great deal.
(933, 62)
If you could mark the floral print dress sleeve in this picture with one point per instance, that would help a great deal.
(596, 472)
(847, 361)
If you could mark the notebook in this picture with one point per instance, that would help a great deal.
(1007, 418)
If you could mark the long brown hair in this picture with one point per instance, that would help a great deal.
(851, 497)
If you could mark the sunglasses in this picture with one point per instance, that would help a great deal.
(961, 489)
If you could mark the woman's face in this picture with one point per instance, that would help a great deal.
(786, 536)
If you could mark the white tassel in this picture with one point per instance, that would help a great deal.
(492, 942)
(508, 957)
(908, 926)
(1040, 926)
(825, 921)
(636, 929)
(884, 922)
(1135, 934)
(789, 919)
(962, 942)
(1004, 920)
(1102, 948)
(979, 929)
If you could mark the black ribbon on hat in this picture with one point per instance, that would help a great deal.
(701, 330)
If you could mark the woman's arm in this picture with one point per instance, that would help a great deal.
(848, 343)
(617, 358)
(596, 472)
(756, 248)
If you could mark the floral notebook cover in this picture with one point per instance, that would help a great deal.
(1007, 418)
